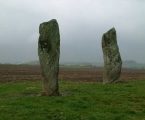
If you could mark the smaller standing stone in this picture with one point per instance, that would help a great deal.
(112, 58)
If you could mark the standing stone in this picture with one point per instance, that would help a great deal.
(112, 58)
(49, 51)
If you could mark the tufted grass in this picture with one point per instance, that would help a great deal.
(80, 101)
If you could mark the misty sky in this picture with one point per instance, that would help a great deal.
(82, 24)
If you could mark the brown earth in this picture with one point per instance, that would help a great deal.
(21, 73)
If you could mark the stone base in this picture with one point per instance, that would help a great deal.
(47, 93)
(113, 82)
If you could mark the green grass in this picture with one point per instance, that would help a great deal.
(81, 101)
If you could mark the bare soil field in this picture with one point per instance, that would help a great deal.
(21, 73)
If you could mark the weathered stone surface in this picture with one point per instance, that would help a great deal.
(112, 58)
(49, 51)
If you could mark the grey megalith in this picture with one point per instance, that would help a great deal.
(49, 52)
(112, 58)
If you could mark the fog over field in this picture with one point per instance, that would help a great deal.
(82, 24)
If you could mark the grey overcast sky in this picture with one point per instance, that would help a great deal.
(82, 24)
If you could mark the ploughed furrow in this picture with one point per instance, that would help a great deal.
(20, 73)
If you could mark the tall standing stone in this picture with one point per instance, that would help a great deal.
(49, 51)
(112, 58)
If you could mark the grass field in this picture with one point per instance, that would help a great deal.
(80, 101)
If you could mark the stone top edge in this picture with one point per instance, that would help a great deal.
(51, 21)
(112, 30)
